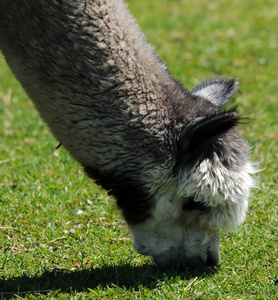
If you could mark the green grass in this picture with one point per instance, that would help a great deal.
(61, 237)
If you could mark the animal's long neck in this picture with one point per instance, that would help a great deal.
(96, 43)
(93, 77)
(90, 72)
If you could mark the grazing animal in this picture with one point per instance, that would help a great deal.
(173, 160)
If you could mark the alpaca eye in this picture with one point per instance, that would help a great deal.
(189, 204)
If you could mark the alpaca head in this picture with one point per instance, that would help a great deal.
(206, 192)
(189, 213)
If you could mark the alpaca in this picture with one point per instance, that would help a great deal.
(172, 158)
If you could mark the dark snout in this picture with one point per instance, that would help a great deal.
(177, 259)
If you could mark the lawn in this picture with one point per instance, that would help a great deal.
(61, 236)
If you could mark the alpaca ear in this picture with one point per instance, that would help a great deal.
(217, 91)
(198, 137)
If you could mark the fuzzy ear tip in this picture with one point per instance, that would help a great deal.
(232, 83)
(217, 91)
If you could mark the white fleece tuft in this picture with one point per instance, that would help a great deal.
(225, 191)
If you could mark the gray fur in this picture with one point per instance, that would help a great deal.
(111, 102)
(217, 91)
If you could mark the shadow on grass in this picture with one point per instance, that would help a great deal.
(64, 281)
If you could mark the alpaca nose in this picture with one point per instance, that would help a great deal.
(178, 263)
(213, 251)
(213, 256)
(181, 262)
(191, 263)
